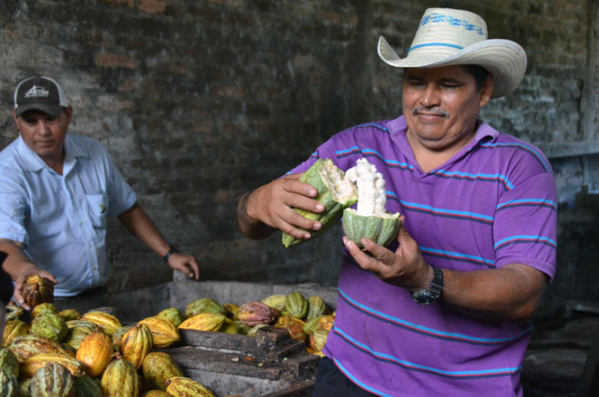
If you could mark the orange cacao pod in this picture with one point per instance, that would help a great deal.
(136, 344)
(157, 368)
(180, 386)
(95, 352)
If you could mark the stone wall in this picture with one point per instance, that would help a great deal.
(201, 100)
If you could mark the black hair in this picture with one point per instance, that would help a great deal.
(479, 73)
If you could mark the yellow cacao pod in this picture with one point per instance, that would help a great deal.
(12, 330)
(204, 322)
(157, 368)
(28, 346)
(276, 301)
(32, 364)
(180, 386)
(164, 333)
(78, 330)
(136, 344)
(120, 379)
(70, 314)
(95, 352)
(106, 321)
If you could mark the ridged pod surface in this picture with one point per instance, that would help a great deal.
(52, 380)
(9, 362)
(173, 315)
(204, 305)
(186, 387)
(13, 330)
(106, 321)
(136, 344)
(13, 312)
(164, 333)
(9, 386)
(204, 322)
(254, 313)
(43, 308)
(120, 379)
(78, 330)
(276, 301)
(296, 305)
(381, 229)
(335, 192)
(95, 352)
(69, 314)
(117, 337)
(27, 346)
(50, 325)
(32, 364)
(37, 290)
(157, 368)
(316, 307)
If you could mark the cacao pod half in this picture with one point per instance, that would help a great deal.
(335, 192)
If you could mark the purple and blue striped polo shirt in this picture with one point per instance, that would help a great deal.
(492, 204)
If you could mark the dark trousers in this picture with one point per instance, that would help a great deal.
(330, 382)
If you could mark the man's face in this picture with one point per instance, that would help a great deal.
(44, 134)
(441, 105)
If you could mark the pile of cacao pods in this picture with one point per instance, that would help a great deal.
(67, 353)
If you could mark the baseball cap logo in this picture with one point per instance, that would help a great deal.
(36, 92)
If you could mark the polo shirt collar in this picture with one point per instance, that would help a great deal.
(34, 163)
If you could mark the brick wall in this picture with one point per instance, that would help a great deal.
(201, 100)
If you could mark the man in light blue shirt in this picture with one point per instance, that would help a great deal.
(56, 191)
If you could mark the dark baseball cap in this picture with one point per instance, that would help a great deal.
(39, 93)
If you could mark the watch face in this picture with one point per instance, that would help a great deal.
(425, 297)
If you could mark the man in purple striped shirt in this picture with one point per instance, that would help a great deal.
(445, 309)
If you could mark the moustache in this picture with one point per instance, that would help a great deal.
(430, 112)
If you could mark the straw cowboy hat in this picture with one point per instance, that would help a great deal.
(448, 37)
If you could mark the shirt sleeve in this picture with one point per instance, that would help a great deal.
(13, 208)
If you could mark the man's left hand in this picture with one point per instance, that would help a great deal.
(186, 264)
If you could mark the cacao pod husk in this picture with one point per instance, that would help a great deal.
(335, 192)
(173, 315)
(204, 305)
(120, 379)
(294, 326)
(380, 228)
(50, 326)
(13, 312)
(9, 386)
(276, 301)
(32, 364)
(107, 322)
(254, 313)
(157, 368)
(296, 305)
(252, 331)
(14, 329)
(204, 322)
(95, 352)
(9, 362)
(44, 308)
(52, 380)
(318, 339)
(180, 386)
(27, 346)
(88, 387)
(136, 344)
(37, 290)
(70, 314)
(164, 333)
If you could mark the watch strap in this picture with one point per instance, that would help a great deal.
(170, 253)
(433, 293)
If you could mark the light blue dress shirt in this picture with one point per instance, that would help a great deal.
(61, 219)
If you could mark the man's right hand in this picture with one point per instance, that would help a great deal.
(272, 205)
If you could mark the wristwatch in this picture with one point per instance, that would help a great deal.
(433, 293)
(170, 253)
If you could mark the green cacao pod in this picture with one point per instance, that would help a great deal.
(27, 346)
(9, 362)
(180, 386)
(52, 380)
(136, 344)
(157, 368)
(50, 326)
(43, 308)
(204, 322)
(296, 305)
(381, 228)
(9, 386)
(78, 330)
(88, 387)
(120, 379)
(276, 301)
(13, 330)
(335, 192)
(254, 313)
(37, 290)
(316, 307)
(204, 305)
(117, 337)
(173, 315)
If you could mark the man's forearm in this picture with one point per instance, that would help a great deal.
(249, 227)
(141, 226)
(17, 261)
